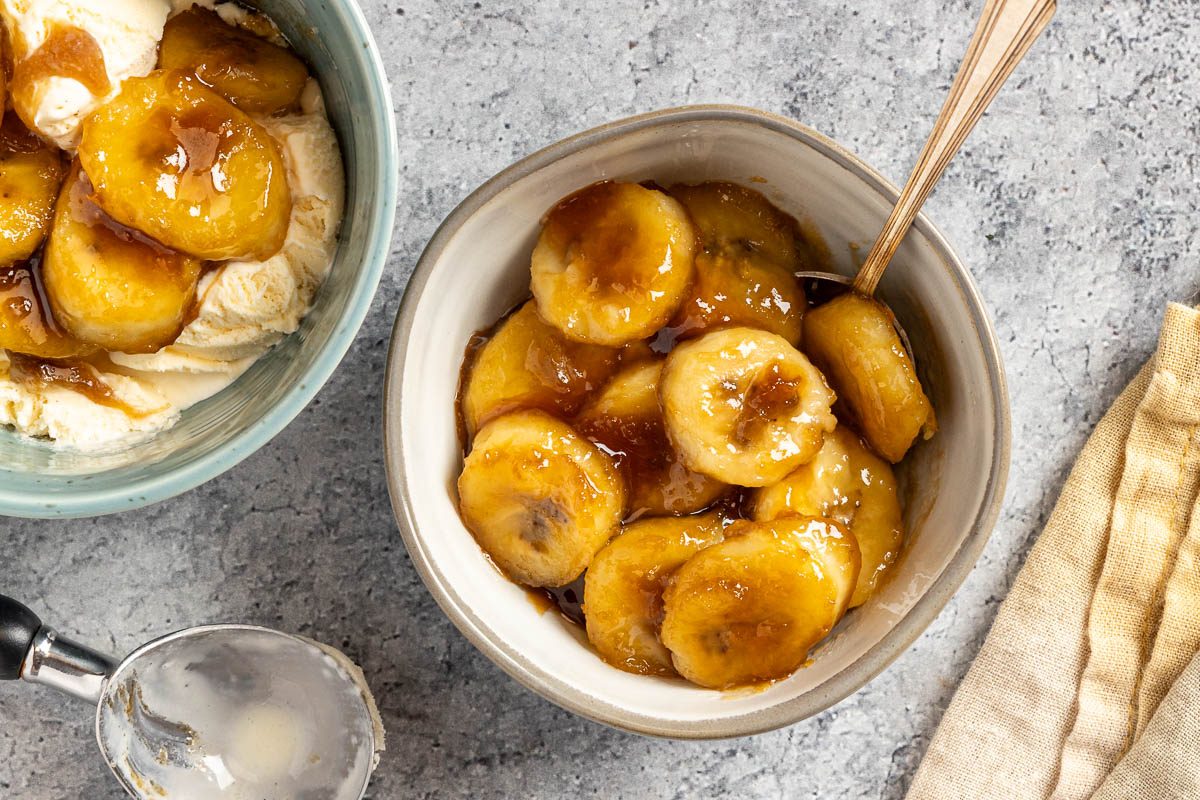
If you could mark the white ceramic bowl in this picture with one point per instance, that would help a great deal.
(477, 266)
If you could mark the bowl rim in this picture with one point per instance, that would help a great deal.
(380, 224)
(859, 672)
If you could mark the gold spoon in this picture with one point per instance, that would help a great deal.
(1006, 31)
(856, 340)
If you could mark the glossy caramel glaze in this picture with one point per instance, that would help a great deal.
(770, 397)
(624, 419)
(26, 324)
(749, 252)
(623, 588)
(522, 362)
(73, 374)
(612, 263)
(68, 52)
(30, 175)
(567, 600)
(249, 71)
(174, 159)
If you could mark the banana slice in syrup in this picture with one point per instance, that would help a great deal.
(624, 418)
(622, 597)
(540, 499)
(613, 263)
(848, 483)
(749, 609)
(744, 406)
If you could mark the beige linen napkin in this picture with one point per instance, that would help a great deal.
(1088, 685)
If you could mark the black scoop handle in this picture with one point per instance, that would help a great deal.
(18, 627)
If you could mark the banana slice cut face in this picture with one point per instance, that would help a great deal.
(750, 608)
(848, 483)
(624, 419)
(745, 269)
(540, 499)
(622, 595)
(852, 339)
(30, 174)
(529, 364)
(744, 406)
(109, 285)
(172, 158)
(613, 263)
(255, 75)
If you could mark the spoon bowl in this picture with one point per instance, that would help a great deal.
(221, 712)
(236, 711)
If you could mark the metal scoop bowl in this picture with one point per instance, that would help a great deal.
(229, 712)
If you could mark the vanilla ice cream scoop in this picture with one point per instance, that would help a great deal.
(220, 712)
(70, 56)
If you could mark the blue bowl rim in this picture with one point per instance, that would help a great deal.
(81, 502)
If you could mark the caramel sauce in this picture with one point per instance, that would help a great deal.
(470, 354)
(567, 600)
(15, 138)
(68, 52)
(565, 371)
(656, 478)
(248, 63)
(638, 444)
(187, 148)
(769, 398)
(129, 246)
(74, 374)
(23, 297)
(110, 235)
(25, 308)
(600, 242)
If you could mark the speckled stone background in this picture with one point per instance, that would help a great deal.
(1075, 203)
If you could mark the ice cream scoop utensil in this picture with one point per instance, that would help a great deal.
(218, 711)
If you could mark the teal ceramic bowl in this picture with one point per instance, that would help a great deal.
(39, 480)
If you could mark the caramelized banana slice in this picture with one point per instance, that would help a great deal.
(613, 263)
(540, 499)
(109, 285)
(750, 608)
(746, 264)
(26, 324)
(250, 72)
(30, 174)
(853, 340)
(529, 364)
(622, 594)
(5, 63)
(848, 483)
(734, 221)
(744, 406)
(175, 160)
(625, 420)
(741, 290)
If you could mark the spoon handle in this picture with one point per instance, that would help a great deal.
(1006, 31)
(33, 652)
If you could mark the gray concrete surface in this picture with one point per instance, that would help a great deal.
(1075, 203)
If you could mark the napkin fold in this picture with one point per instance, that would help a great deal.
(1088, 685)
